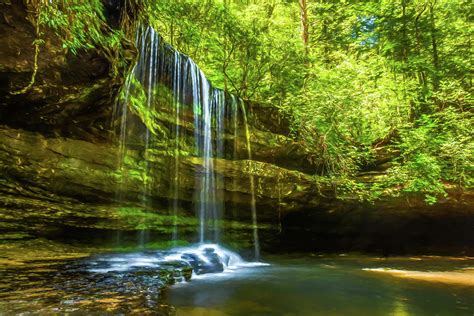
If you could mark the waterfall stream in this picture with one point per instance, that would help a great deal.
(166, 81)
(252, 189)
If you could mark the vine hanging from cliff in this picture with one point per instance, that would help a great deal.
(37, 42)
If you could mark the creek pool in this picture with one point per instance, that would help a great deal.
(151, 283)
(334, 285)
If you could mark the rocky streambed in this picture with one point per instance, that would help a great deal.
(116, 283)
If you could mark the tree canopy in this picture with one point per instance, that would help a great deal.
(353, 76)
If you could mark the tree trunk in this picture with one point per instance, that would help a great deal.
(419, 45)
(304, 24)
(434, 45)
(405, 41)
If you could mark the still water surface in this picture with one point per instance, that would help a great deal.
(335, 285)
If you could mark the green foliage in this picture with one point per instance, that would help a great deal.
(436, 148)
(138, 102)
(143, 219)
(347, 188)
(372, 74)
(80, 24)
(250, 50)
(343, 110)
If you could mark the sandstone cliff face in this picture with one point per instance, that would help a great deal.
(88, 172)
(61, 165)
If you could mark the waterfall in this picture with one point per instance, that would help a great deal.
(166, 82)
(143, 76)
(176, 105)
(256, 242)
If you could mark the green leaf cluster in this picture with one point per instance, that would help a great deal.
(435, 149)
(80, 24)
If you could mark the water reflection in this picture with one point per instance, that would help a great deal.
(322, 286)
(400, 308)
(303, 286)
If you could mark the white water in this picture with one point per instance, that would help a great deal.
(231, 261)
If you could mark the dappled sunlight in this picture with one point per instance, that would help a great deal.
(459, 277)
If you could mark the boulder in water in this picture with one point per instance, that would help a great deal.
(209, 262)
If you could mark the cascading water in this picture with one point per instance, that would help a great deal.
(160, 68)
(176, 180)
(144, 72)
(252, 188)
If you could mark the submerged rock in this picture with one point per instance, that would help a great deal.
(70, 288)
